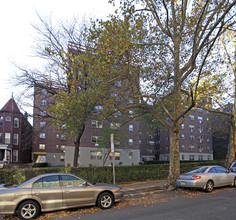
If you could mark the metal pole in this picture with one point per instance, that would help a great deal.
(113, 158)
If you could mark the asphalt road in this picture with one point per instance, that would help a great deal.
(220, 205)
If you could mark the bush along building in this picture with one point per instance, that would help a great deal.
(195, 142)
(15, 135)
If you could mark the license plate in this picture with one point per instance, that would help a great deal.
(183, 183)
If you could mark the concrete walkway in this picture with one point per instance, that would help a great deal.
(143, 188)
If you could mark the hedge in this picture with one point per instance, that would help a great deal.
(101, 174)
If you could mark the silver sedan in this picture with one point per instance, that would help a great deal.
(206, 178)
(50, 192)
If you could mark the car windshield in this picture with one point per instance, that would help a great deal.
(198, 170)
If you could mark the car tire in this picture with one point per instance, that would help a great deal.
(28, 210)
(234, 184)
(105, 200)
(209, 186)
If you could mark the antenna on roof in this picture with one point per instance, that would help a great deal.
(12, 95)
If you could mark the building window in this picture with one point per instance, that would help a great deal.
(131, 142)
(182, 126)
(42, 135)
(1, 120)
(1, 138)
(62, 158)
(200, 139)
(200, 157)
(182, 147)
(42, 124)
(191, 137)
(116, 155)
(191, 128)
(42, 146)
(191, 148)
(57, 147)
(57, 135)
(130, 155)
(115, 125)
(208, 149)
(15, 139)
(42, 113)
(63, 147)
(200, 148)
(43, 92)
(191, 117)
(43, 102)
(63, 137)
(182, 136)
(182, 156)
(208, 139)
(151, 143)
(15, 155)
(131, 128)
(191, 157)
(200, 119)
(7, 138)
(95, 155)
(16, 123)
(8, 118)
(96, 124)
(94, 139)
(200, 129)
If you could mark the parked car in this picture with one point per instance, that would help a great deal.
(233, 167)
(55, 191)
(206, 178)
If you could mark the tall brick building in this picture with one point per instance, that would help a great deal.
(15, 134)
(53, 147)
(195, 139)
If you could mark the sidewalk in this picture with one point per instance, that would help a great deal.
(143, 188)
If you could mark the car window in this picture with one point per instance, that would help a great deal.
(69, 181)
(48, 181)
(221, 170)
(212, 170)
(234, 164)
(198, 170)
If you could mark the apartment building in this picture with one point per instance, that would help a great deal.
(15, 134)
(195, 139)
(55, 148)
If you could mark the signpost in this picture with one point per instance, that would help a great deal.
(113, 158)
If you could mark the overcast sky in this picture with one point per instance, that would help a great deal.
(17, 33)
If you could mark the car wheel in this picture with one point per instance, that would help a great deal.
(105, 200)
(209, 186)
(234, 182)
(28, 210)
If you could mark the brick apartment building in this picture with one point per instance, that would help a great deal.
(15, 134)
(195, 139)
(55, 148)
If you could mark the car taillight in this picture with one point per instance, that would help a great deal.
(196, 177)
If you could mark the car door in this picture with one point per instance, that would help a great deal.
(48, 191)
(76, 192)
(225, 177)
(214, 175)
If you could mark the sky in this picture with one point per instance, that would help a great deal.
(17, 34)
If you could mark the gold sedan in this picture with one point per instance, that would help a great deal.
(56, 191)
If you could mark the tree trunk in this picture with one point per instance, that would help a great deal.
(77, 144)
(174, 167)
(232, 141)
